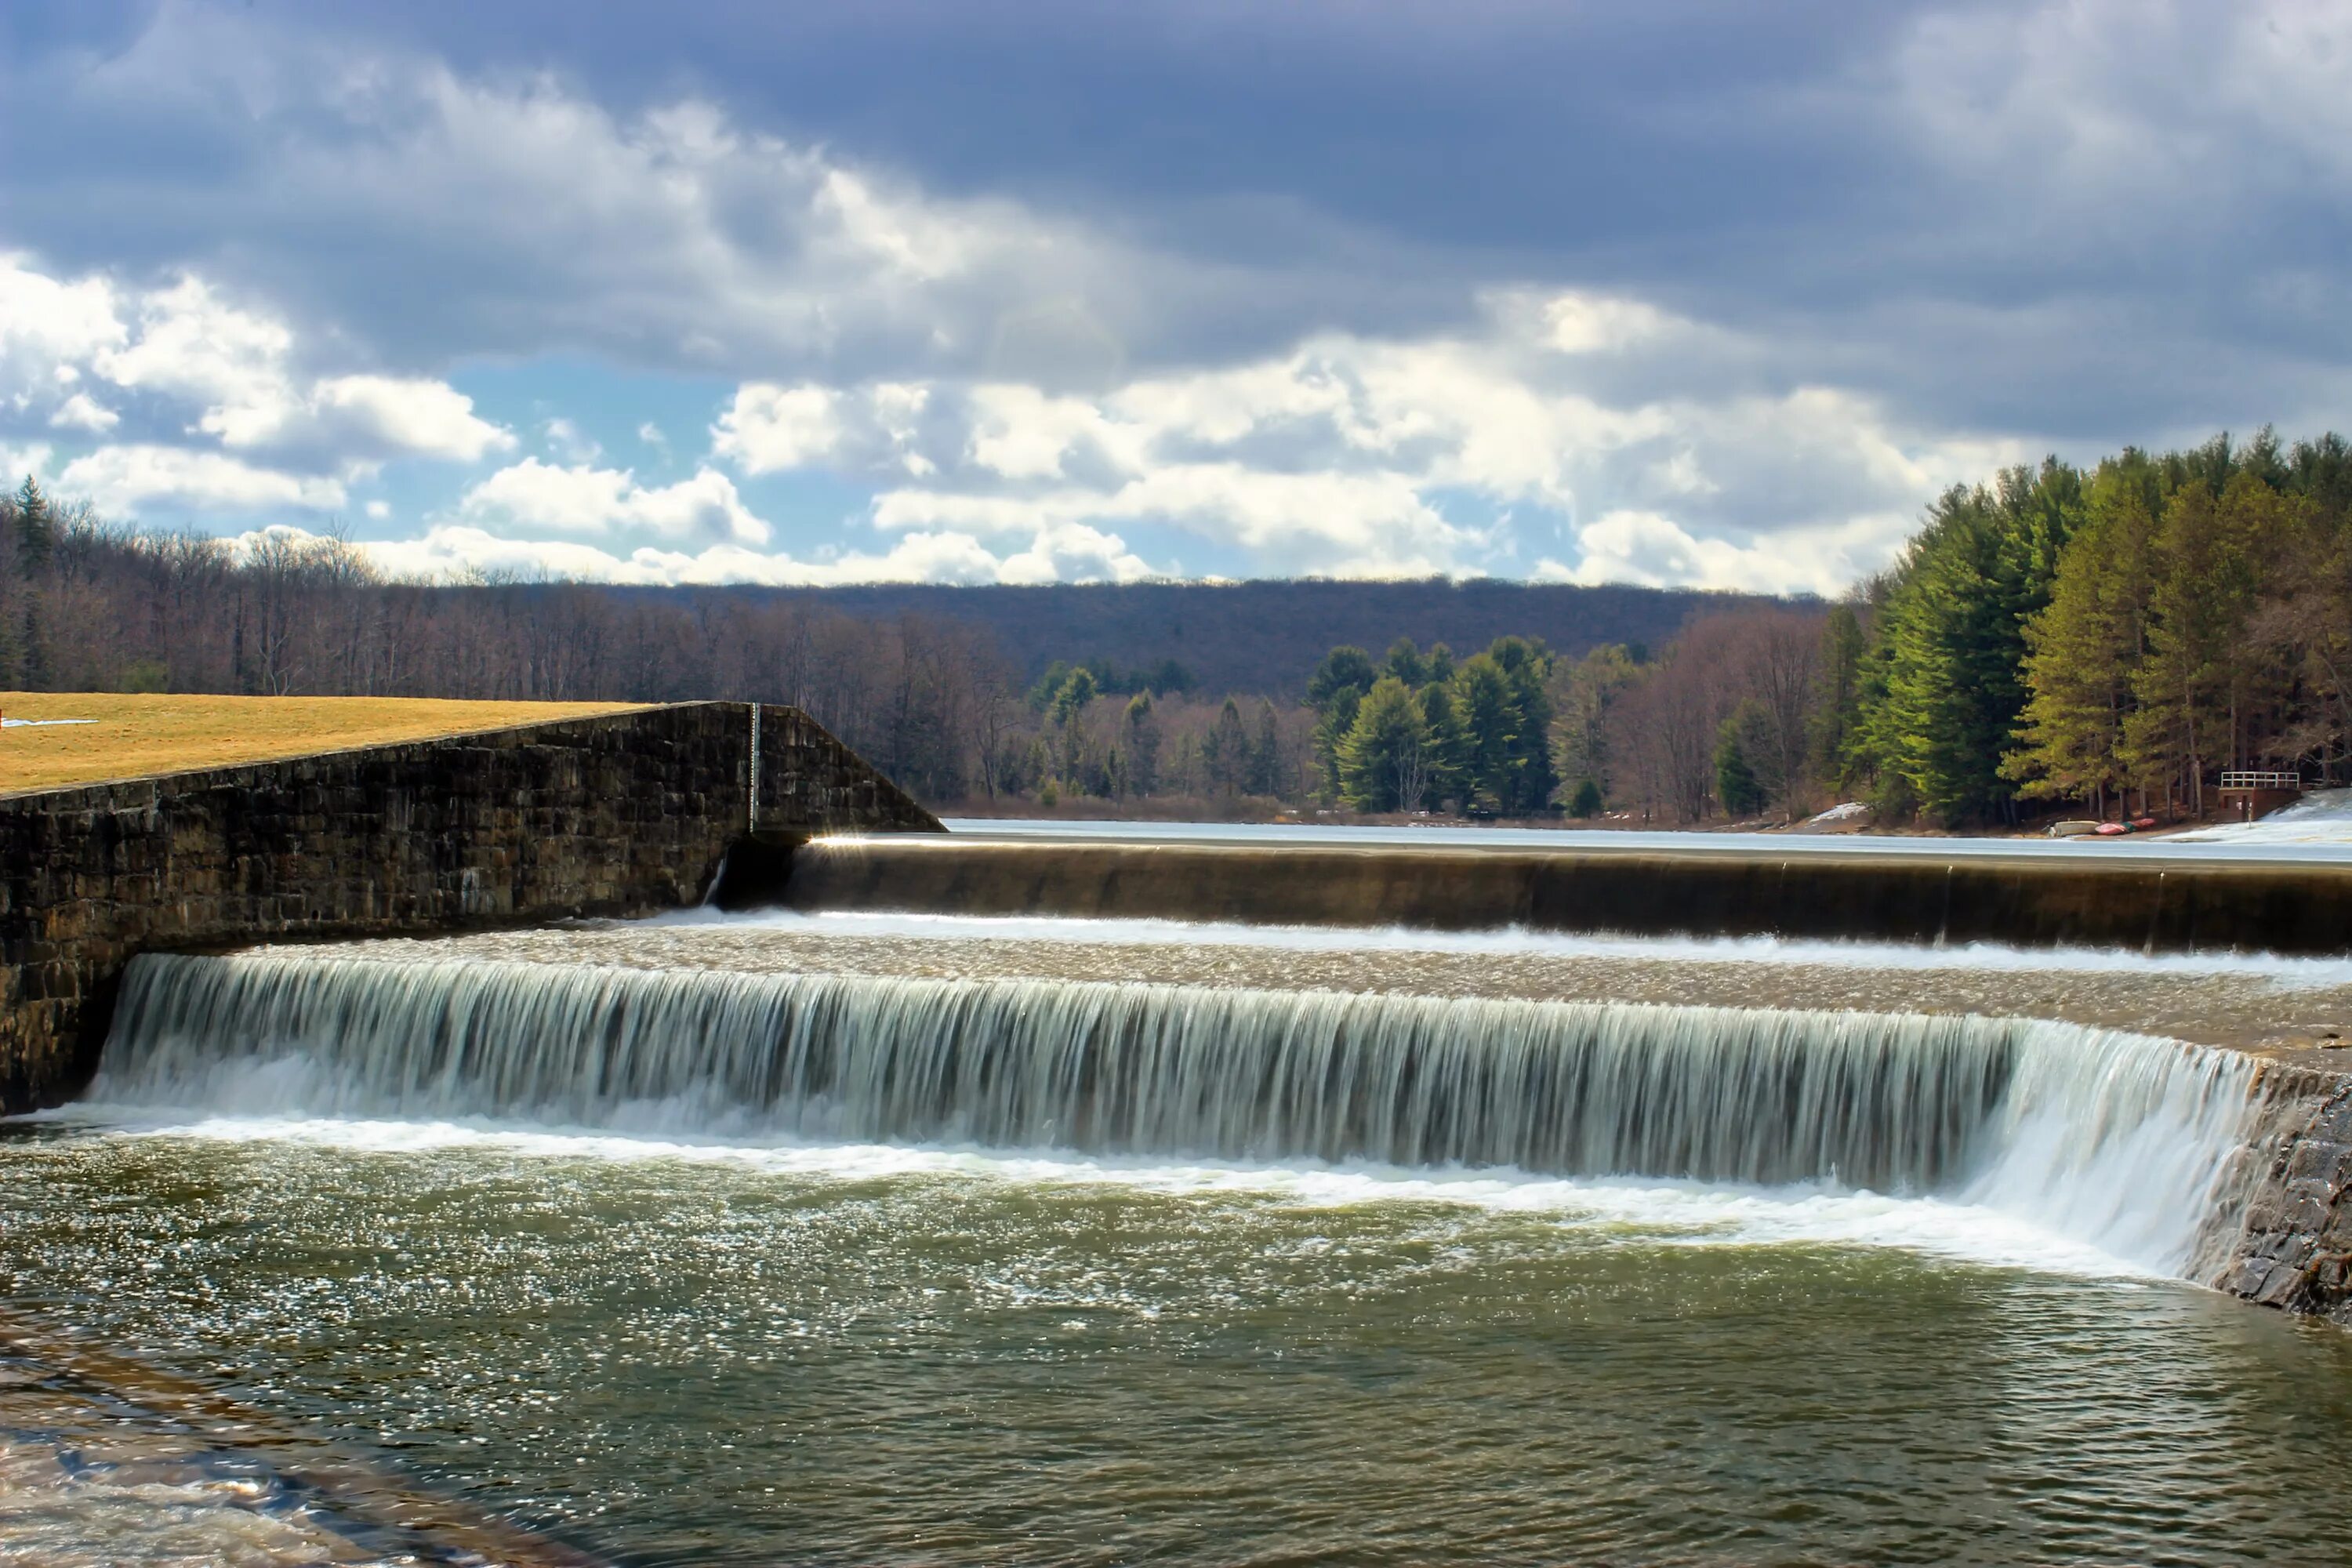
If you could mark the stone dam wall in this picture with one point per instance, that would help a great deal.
(615, 814)
(2027, 900)
(2283, 1237)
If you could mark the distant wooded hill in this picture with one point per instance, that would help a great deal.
(1268, 636)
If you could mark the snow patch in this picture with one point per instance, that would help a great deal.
(2321, 816)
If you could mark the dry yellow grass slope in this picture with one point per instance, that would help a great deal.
(133, 736)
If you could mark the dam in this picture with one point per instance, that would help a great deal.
(1048, 1194)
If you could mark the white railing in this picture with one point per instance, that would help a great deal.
(2240, 780)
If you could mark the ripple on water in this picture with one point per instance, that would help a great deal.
(932, 1361)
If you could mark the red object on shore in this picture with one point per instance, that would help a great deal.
(2142, 823)
(2109, 829)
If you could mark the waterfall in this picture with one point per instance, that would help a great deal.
(2113, 1138)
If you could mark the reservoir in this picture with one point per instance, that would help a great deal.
(850, 1237)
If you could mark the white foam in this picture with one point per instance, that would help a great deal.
(1604, 1212)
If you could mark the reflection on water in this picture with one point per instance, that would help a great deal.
(690, 1357)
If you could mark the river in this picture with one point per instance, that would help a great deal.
(867, 1239)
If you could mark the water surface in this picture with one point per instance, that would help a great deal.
(679, 1354)
(875, 1240)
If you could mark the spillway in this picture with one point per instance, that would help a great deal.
(2143, 899)
(2122, 1140)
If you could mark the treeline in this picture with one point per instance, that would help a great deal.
(2118, 635)
(1418, 732)
(90, 606)
(1731, 717)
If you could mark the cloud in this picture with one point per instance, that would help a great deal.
(570, 442)
(82, 412)
(459, 551)
(121, 480)
(194, 347)
(411, 415)
(47, 326)
(514, 213)
(1829, 267)
(1656, 551)
(353, 419)
(18, 461)
(771, 429)
(234, 371)
(1360, 456)
(581, 498)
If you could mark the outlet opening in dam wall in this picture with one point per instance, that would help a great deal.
(614, 815)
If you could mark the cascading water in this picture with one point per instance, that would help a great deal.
(2116, 1139)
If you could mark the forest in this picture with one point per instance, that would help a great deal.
(2103, 638)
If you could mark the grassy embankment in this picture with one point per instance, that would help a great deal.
(134, 736)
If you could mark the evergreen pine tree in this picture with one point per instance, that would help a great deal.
(1383, 761)
(1227, 751)
(1736, 785)
(1943, 691)
(1448, 742)
(35, 528)
(2084, 649)
(1482, 699)
(1266, 756)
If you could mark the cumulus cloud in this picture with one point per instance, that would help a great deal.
(80, 411)
(18, 462)
(769, 428)
(583, 498)
(456, 551)
(191, 346)
(356, 418)
(1656, 551)
(1351, 456)
(233, 374)
(123, 478)
(48, 326)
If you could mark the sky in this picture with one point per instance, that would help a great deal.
(1679, 292)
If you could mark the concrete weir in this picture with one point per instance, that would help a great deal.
(615, 814)
(2024, 899)
(2281, 1233)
